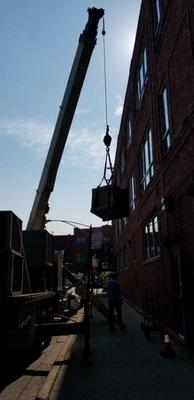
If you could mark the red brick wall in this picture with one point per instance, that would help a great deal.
(170, 59)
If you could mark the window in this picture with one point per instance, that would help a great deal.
(133, 242)
(118, 177)
(119, 226)
(117, 261)
(141, 75)
(132, 197)
(157, 13)
(120, 260)
(106, 239)
(124, 221)
(146, 160)
(115, 228)
(129, 254)
(81, 257)
(80, 240)
(124, 256)
(122, 161)
(151, 238)
(128, 133)
(164, 116)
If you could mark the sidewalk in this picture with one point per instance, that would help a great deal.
(125, 366)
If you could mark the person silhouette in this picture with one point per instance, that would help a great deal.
(114, 301)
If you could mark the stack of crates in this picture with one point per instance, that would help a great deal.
(11, 257)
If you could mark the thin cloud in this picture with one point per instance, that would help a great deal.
(119, 108)
(82, 111)
(87, 144)
(83, 146)
(118, 111)
(30, 133)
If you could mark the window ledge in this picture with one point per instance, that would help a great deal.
(151, 260)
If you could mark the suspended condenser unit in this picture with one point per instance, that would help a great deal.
(110, 201)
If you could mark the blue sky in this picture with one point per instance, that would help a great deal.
(38, 42)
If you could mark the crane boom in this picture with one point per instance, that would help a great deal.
(82, 58)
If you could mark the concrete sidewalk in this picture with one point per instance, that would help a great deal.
(125, 366)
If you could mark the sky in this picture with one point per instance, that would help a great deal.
(38, 43)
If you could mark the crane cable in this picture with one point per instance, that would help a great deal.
(105, 79)
(107, 138)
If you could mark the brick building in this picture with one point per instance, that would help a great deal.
(154, 246)
(76, 248)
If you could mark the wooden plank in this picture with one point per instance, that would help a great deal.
(58, 328)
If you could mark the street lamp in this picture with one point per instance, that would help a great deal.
(87, 350)
(72, 223)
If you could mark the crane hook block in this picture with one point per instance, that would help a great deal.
(107, 138)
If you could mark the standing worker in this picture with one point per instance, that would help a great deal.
(114, 301)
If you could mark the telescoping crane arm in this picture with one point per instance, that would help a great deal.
(85, 48)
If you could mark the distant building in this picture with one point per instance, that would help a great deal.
(65, 243)
(81, 249)
(154, 246)
(102, 248)
(76, 249)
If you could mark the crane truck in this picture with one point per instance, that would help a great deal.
(30, 277)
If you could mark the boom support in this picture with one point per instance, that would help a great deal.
(85, 48)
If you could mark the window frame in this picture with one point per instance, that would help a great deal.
(122, 161)
(128, 131)
(151, 240)
(157, 14)
(81, 257)
(142, 74)
(80, 240)
(132, 193)
(164, 108)
(146, 160)
(118, 176)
